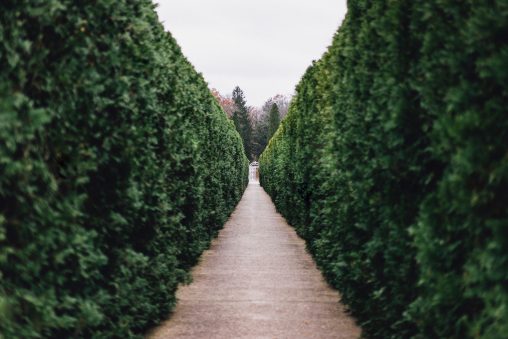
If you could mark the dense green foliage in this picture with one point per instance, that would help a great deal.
(117, 167)
(242, 121)
(259, 136)
(392, 163)
(273, 120)
(267, 122)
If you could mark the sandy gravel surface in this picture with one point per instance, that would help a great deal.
(257, 281)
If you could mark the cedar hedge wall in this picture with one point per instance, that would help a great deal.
(117, 167)
(392, 163)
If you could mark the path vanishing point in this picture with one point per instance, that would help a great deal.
(257, 281)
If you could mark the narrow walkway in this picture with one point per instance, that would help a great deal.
(257, 281)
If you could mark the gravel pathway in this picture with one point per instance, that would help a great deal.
(257, 281)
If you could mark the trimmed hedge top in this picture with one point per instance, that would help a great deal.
(117, 167)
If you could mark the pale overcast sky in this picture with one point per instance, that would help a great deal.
(263, 46)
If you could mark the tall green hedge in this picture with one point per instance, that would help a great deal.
(392, 163)
(117, 167)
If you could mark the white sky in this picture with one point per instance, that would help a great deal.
(263, 46)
